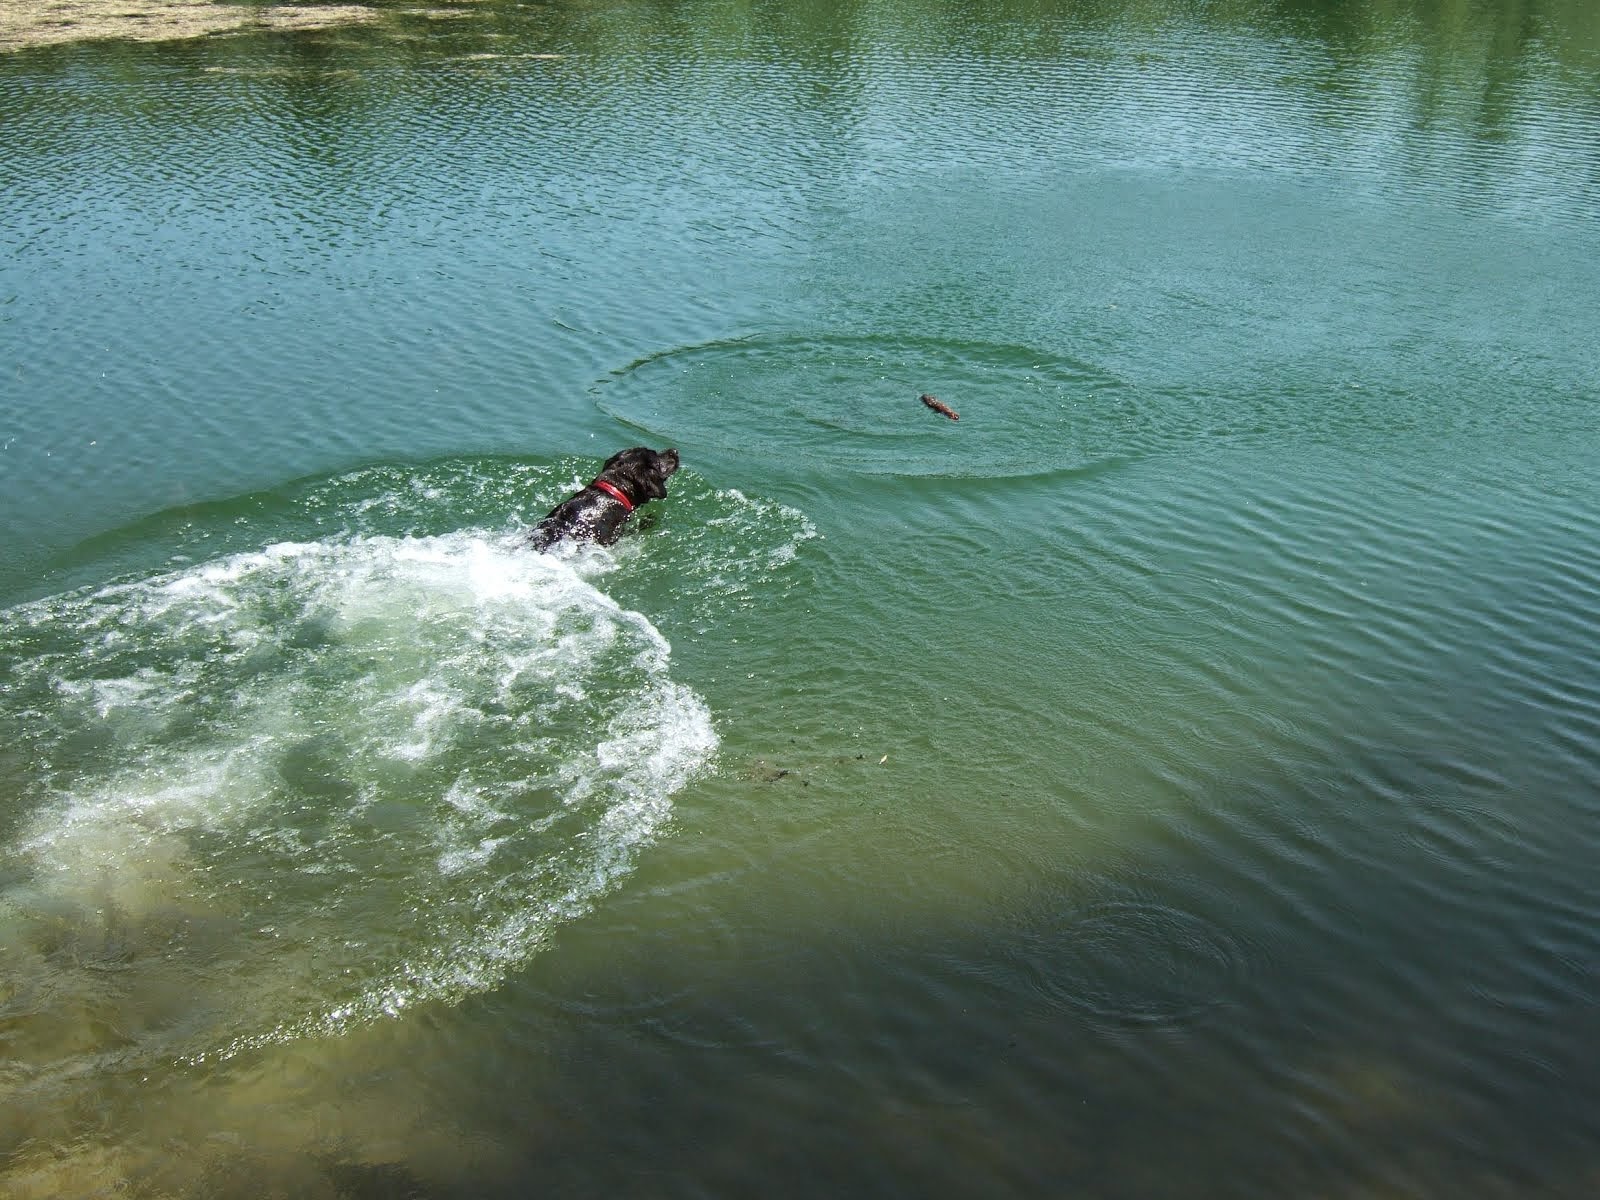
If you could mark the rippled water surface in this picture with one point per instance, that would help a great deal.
(1177, 777)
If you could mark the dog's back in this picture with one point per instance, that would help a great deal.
(628, 479)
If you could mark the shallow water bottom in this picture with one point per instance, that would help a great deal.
(310, 923)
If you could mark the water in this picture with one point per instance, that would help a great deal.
(1176, 778)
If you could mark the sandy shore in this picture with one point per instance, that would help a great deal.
(26, 23)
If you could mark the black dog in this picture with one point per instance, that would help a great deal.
(629, 478)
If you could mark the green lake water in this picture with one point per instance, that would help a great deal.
(1177, 778)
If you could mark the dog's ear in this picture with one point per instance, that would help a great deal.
(641, 471)
(620, 462)
(665, 464)
(651, 480)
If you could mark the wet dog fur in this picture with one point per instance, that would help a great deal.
(596, 514)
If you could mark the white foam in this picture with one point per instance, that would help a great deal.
(409, 756)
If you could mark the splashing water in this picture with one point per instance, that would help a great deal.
(301, 788)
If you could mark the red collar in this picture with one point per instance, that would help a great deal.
(615, 493)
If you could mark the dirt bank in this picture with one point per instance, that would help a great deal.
(35, 22)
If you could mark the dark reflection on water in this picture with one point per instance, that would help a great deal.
(1177, 778)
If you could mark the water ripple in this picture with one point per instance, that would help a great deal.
(1134, 961)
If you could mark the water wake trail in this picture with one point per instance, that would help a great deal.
(295, 790)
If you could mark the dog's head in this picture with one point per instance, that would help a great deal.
(640, 472)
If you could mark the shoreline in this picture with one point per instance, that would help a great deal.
(28, 23)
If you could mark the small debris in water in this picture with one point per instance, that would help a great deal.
(939, 406)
